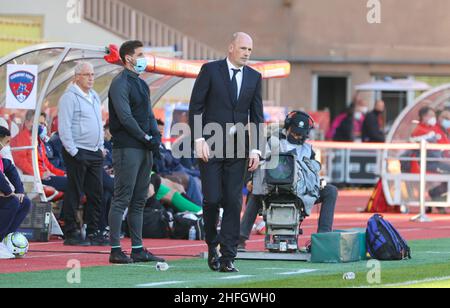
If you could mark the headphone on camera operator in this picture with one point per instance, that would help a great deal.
(298, 126)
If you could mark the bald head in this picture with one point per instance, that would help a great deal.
(240, 49)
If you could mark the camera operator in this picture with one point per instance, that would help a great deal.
(292, 138)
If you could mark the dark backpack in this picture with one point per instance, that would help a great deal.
(384, 243)
(182, 223)
(156, 222)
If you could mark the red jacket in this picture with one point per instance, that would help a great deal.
(23, 159)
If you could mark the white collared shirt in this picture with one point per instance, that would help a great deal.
(239, 76)
(239, 79)
(87, 96)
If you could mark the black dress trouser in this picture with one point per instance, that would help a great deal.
(222, 183)
(84, 177)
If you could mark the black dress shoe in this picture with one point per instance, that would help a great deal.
(242, 246)
(75, 239)
(228, 267)
(145, 256)
(119, 257)
(98, 239)
(213, 259)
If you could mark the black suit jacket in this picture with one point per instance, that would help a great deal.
(212, 98)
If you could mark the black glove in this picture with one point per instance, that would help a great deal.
(154, 143)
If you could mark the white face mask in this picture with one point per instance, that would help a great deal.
(432, 121)
(446, 124)
(358, 115)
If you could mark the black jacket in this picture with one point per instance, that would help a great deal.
(130, 111)
(371, 128)
(212, 98)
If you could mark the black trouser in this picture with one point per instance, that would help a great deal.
(222, 182)
(328, 197)
(108, 192)
(87, 177)
(132, 175)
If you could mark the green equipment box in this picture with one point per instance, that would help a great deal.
(342, 246)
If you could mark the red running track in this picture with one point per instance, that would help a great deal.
(56, 256)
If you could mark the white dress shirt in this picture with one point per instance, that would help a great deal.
(239, 75)
(87, 96)
(239, 79)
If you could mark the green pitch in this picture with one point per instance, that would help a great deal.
(430, 267)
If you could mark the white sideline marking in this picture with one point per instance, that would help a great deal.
(156, 284)
(437, 252)
(410, 283)
(303, 271)
(236, 277)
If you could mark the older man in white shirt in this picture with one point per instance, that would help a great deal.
(81, 133)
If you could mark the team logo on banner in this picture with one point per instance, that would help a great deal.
(21, 84)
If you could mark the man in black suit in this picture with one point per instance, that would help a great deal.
(227, 94)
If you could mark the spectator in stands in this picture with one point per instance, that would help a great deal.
(351, 123)
(14, 205)
(373, 126)
(50, 175)
(108, 162)
(81, 133)
(56, 147)
(429, 130)
(444, 121)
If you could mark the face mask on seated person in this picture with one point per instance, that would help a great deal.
(446, 124)
(293, 140)
(42, 132)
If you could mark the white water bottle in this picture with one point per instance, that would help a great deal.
(192, 234)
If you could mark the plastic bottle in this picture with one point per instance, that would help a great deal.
(349, 276)
(192, 234)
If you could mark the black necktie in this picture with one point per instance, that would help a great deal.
(234, 86)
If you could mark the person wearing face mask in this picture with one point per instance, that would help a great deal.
(351, 125)
(14, 205)
(429, 130)
(50, 175)
(135, 136)
(6, 151)
(293, 137)
(373, 127)
(444, 121)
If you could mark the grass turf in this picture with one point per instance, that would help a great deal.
(431, 260)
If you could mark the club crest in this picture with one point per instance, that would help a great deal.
(21, 84)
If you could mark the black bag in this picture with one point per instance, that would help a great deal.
(156, 224)
(182, 224)
(384, 243)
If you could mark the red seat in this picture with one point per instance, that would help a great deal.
(52, 194)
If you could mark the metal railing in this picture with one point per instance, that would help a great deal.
(402, 186)
(129, 23)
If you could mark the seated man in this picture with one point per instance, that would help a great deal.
(14, 205)
(169, 167)
(429, 130)
(50, 175)
(292, 138)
